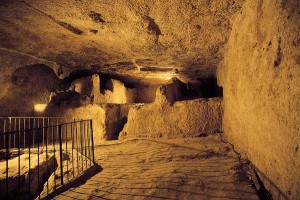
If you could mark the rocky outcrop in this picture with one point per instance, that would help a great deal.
(108, 119)
(182, 119)
(36, 180)
(114, 92)
(170, 92)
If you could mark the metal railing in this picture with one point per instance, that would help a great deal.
(39, 155)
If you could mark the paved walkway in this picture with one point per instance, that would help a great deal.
(186, 168)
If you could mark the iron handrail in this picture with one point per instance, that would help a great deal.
(13, 132)
(76, 137)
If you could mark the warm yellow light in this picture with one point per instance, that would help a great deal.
(40, 107)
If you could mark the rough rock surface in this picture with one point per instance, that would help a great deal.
(146, 94)
(122, 35)
(26, 87)
(261, 81)
(170, 92)
(89, 111)
(114, 92)
(108, 119)
(85, 85)
(183, 118)
(117, 93)
(44, 172)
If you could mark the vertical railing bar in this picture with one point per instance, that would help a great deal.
(24, 126)
(9, 135)
(66, 131)
(47, 184)
(7, 157)
(77, 146)
(43, 132)
(72, 134)
(15, 128)
(38, 148)
(81, 144)
(57, 128)
(33, 132)
(92, 137)
(29, 171)
(85, 137)
(19, 161)
(4, 135)
(60, 155)
(53, 138)
(89, 142)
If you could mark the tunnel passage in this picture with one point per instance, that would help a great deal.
(250, 46)
(145, 92)
(203, 88)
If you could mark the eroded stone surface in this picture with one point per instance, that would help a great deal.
(261, 81)
(136, 34)
(183, 118)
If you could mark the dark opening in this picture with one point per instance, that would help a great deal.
(210, 88)
(204, 88)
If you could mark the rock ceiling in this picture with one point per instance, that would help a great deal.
(142, 37)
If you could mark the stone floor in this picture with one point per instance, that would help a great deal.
(185, 168)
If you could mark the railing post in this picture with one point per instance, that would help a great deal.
(81, 144)
(60, 155)
(6, 158)
(38, 147)
(9, 135)
(92, 135)
(29, 171)
(19, 161)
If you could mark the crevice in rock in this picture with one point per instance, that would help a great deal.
(279, 54)
(70, 27)
(247, 168)
(65, 25)
(153, 28)
(94, 31)
(156, 69)
(96, 17)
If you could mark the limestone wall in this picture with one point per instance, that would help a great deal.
(118, 93)
(183, 118)
(146, 94)
(115, 91)
(108, 119)
(91, 111)
(115, 119)
(261, 82)
(24, 87)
